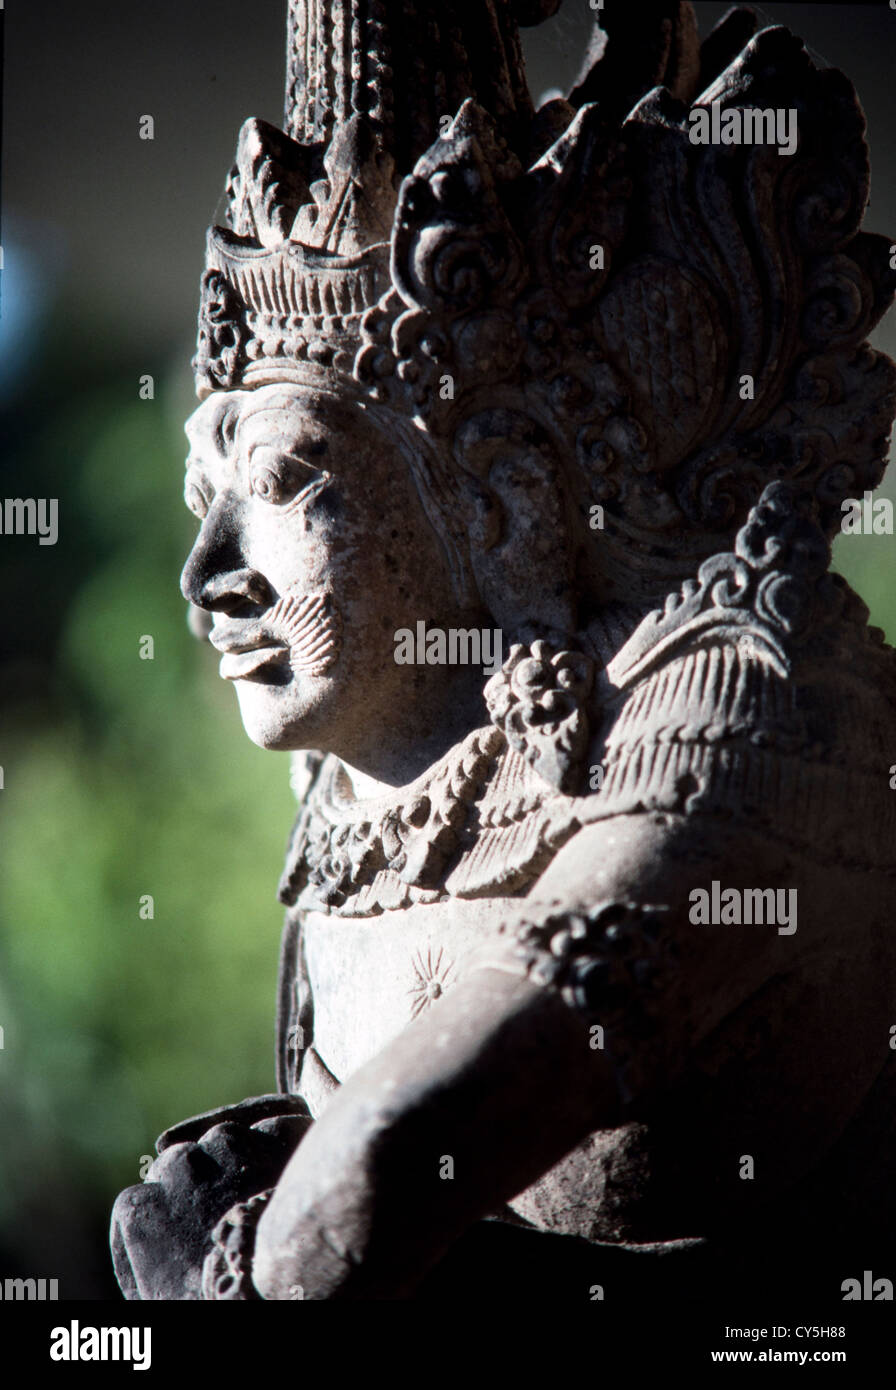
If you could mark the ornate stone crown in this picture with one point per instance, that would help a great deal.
(666, 326)
(310, 213)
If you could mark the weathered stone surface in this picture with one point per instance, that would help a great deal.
(523, 438)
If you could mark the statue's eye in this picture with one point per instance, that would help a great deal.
(196, 500)
(277, 479)
(274, 485)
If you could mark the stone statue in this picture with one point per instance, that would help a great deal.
(522, 441)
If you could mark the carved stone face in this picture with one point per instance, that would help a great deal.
(314, 550)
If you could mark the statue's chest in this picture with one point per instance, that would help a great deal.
(370, 977)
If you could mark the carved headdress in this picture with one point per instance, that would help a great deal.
(652, 325)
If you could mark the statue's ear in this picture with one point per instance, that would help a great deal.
(519, 548)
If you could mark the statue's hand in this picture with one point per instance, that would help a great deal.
(161, 1229)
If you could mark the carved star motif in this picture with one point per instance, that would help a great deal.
(431, 974)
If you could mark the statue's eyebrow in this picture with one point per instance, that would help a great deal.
(252, 428)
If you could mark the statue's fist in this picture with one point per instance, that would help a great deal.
(161, 1230)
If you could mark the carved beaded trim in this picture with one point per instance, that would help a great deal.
(226, 1270)
(343, 847)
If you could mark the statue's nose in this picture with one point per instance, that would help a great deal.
(223, 593)
(229, 593)
(216, 579)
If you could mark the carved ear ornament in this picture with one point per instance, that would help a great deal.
(539, 700)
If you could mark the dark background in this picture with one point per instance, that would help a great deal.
(124, 777)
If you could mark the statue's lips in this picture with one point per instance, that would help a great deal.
(240, 665)
(246, 649)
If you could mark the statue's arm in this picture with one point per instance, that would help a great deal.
(584, 1010)
(463, 1110)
